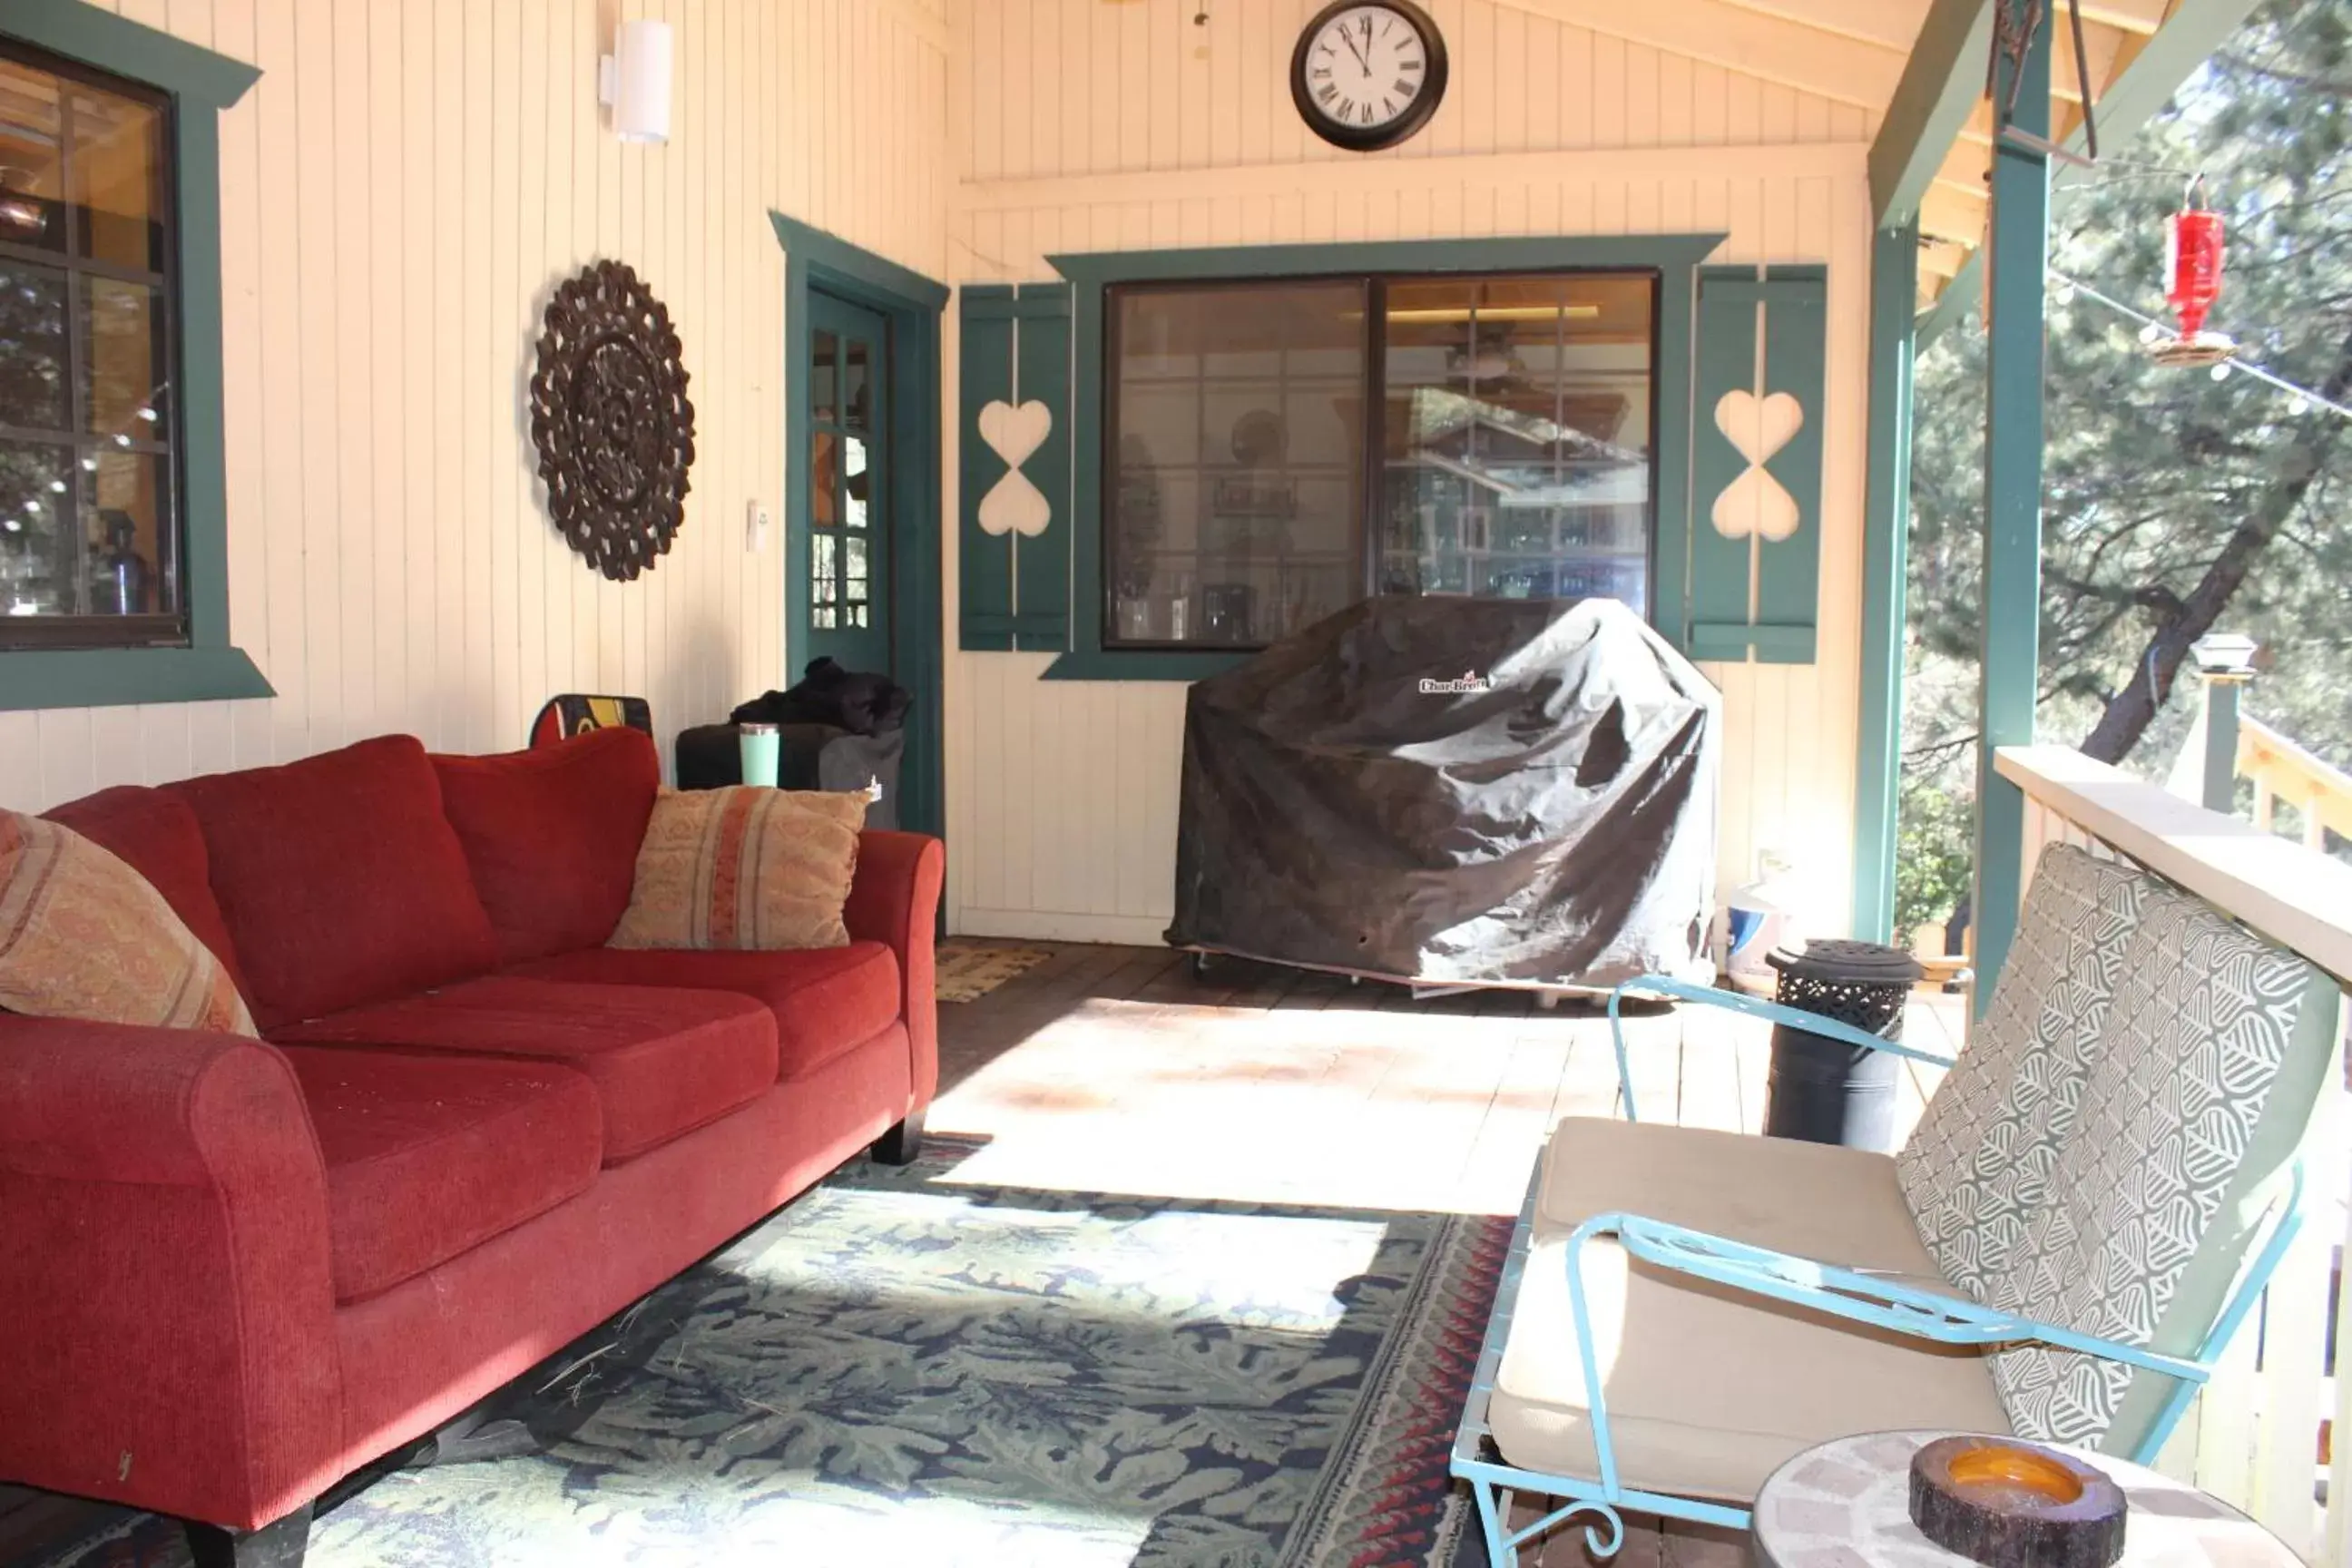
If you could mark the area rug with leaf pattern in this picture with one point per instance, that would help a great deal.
(901, 1368)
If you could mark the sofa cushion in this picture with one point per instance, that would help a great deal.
(664, 1061)
(824, 1000)
(1708, 1391)
(341, 880)
(2210, 1067)
(84, 936)
(156, 834)
(744, 869)
(552, 835)
(427, 1155)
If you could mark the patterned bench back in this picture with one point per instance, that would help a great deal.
(1980, 1162)
(2117, 1180)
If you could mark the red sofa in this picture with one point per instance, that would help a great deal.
(239, 1271)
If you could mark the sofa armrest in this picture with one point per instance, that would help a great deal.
(170, 1307)
(895, 900)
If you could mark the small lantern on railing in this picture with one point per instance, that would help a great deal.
(2192, 282)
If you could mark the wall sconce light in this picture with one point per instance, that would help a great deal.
(633, 79)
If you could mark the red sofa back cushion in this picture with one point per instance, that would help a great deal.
(341, 880)
(552, 835)
(156, 836)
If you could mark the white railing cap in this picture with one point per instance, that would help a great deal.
(2298, 897)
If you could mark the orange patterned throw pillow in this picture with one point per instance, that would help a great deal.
(84, 936)
(745, 868)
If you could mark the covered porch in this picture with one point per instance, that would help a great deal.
(977, 202)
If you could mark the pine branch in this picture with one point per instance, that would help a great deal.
(2131, 711)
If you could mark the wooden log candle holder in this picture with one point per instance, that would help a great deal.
(2013, 1505)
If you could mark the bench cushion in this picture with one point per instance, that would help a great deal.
(662, 1061)
(429, 1155)
(2210, 1067)
(1708, 1390)
(1978, 1164)
(1815, 1200)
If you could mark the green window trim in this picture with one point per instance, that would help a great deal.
(1674, 257)
(201, 84)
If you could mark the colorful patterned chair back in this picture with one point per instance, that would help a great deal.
(575, 713)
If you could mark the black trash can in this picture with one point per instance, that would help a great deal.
(1824, 1091)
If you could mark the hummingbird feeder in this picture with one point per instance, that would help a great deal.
(2192, 269)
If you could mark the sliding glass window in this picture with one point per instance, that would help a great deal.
(1278, 450)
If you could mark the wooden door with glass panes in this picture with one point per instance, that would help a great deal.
(849, 491)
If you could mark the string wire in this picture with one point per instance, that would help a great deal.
(2233, 366)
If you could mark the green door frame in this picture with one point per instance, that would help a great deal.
(912, 303)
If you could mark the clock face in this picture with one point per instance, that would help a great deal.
(1368, 75)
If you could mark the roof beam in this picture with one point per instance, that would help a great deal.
(2143, 84)
(1826, 64)
(1889, 24)
(1940, 84)
(2141, 16)
(1958, 216)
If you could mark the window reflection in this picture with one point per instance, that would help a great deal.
(1236, 504)
(1505, 448)
(1516, 453)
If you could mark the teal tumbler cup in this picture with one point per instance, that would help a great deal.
(762, 750)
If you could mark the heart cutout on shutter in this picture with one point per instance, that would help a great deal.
(1756, 426)
(1015, 431)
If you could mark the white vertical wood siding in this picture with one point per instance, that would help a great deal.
(1087, 125)
(399, 194)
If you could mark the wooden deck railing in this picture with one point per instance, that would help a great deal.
(2320, 792)
(2260, 1436)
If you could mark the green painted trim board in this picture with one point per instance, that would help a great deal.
(1781, 577)
(1942, 82)
(189, 72)
(984, 620)
(2019, 243)
(1887, 539)
(1721, 565)
(1015, 347)
(1041, 599)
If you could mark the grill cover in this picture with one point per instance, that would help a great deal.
(1450, 790)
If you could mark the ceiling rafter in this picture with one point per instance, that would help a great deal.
(1756, 42)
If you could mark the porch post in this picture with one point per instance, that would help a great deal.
(1894, 298)
(2017, 252)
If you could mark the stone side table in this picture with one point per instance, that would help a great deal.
(1846, 1504)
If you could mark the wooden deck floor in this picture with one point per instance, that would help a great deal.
(1113, 1068)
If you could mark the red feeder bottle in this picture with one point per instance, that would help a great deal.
(2192, 265)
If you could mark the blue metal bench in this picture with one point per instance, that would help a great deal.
(1572, 1403)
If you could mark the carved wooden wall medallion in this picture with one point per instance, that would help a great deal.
(611, 421)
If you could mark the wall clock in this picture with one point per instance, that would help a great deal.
(1368, 73)
(610, 419)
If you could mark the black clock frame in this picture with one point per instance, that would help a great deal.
(1404, 126)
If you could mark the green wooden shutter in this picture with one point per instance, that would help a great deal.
(1015, 579)
(1750, 591)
